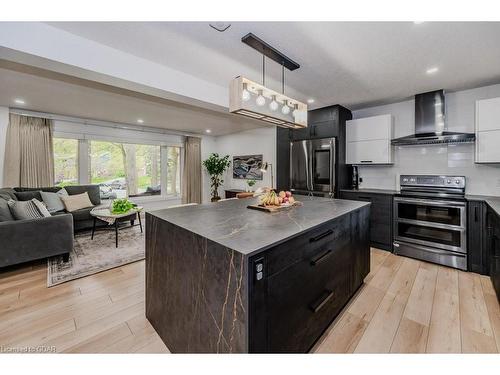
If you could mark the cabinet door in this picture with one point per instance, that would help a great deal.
(488, 114)
(369, 152)
(487, 150)
(495, 253)
(369, 128)
(300, 134)
(324, 129)
(477, 252)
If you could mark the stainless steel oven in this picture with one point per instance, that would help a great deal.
(430, 222)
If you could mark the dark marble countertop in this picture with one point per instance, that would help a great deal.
(373, 191)
(231, 224)
(493, 202)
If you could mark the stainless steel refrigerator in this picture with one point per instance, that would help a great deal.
(312, 166)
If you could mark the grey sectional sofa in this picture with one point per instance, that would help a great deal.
(25, 240)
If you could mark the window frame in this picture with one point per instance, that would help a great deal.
(84, 163)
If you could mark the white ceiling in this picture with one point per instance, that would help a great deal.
(57, 94)
(351, 63)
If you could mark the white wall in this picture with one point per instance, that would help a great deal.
(4, 123)
(249, 142)
(456, 159)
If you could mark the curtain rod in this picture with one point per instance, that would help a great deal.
(108, 124)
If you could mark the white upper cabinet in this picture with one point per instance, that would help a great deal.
(368, 140)
(488, 131)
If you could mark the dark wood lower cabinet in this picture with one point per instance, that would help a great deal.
(493, 233)
(380, 216)
(477, 244)
(305, 284)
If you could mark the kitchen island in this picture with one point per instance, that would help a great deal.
(222, 278)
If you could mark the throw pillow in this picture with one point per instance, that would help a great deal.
(76, 202)
(41, 208)
(53, 200)
(28, 195)
(5, 214)
(23, 210)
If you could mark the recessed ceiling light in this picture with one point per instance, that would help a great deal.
(140, 120)
(208, 131)
(310, 101)
(19, 101)
(418, 22)
(432, 70)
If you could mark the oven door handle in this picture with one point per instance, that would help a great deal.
(430, 202)
(435, 251)
(431, 224)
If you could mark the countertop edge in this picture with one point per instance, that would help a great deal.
(264, 248)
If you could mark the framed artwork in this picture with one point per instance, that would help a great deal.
(247, 167)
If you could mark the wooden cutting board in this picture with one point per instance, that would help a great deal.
(273, 208)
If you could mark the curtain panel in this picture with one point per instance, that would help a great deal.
(29, 157)
(191, 175)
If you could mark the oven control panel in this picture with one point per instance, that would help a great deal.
(433, 181)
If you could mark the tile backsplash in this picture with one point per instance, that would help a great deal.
(458, 159)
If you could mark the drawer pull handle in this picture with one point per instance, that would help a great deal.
(366, 161)
(322, 235)
(320, 258)
(325, 297)
(363, 197)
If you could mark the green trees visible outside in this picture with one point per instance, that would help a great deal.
(65, 161)
(128, 167)
(137, 166)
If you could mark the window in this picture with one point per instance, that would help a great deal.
(120, 169)
(125, 168)
(65, 161)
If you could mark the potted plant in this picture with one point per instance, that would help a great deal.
(216, 166)
(250, 184)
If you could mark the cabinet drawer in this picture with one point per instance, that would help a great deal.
(306, 298)
(307, 245)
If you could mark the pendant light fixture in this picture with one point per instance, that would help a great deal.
(248, 98)
(273, 106)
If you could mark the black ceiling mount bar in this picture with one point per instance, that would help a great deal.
(269, 51)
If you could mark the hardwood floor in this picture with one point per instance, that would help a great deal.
(405, 306)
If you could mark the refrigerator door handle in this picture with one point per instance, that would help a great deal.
(332, 167)
(310, 166)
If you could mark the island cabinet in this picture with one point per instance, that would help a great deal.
(300, 286)
(224, 279)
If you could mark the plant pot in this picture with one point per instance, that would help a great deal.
(215, 199)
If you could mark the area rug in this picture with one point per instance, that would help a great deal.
(100, 254)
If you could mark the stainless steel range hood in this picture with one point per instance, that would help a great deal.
(430, 123)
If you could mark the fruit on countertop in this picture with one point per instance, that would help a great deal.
(270, 198)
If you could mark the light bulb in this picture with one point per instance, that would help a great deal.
(260, 101)
(296, 111)
(285, 109)
(245, 94)
(273, 106)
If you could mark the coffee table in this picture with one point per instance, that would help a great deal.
(105, 214)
